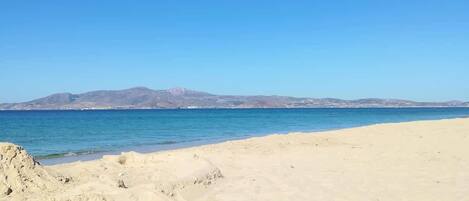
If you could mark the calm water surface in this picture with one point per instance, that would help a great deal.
(47, 134)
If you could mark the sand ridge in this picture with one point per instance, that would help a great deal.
(21, 175)
(423, 160)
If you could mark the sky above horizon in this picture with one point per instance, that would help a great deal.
(416, 50)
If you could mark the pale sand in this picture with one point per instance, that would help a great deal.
(425, 160)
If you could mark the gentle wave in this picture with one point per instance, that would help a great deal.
(88, 152)
(66, 154)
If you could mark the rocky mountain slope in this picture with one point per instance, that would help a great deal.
(145, 98)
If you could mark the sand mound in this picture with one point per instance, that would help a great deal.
(171, 176)
(20, 173)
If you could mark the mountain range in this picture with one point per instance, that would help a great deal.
(145, 98)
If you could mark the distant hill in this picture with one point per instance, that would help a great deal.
(144, 98)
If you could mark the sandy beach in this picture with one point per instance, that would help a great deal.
(424, 160)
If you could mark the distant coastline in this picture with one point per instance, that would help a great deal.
(181, 98)
(220, 108)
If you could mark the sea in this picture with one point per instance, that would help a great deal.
(54, 137)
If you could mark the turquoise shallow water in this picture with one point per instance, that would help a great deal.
(47, 134)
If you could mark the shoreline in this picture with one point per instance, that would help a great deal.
(417, 160)
(148, 149)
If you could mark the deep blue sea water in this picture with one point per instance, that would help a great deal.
(48, 134)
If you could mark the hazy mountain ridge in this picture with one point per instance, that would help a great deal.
(144, 98)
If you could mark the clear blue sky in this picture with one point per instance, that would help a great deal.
(344, 49)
